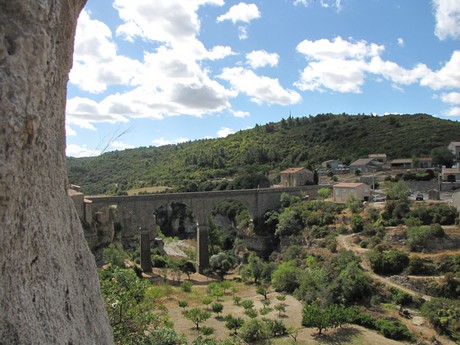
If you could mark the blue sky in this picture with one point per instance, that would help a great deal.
(149, 73)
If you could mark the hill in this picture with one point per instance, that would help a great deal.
(248, 156)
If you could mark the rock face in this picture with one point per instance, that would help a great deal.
(49, 291)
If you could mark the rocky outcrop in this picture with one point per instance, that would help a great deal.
(49, 290)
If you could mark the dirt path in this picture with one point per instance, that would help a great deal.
(345, 241)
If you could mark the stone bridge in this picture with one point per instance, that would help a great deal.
(136, 214)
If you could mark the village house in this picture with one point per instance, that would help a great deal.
(426, 162)
(401, 163)
(456, 200)
(451, 174)
(365, 165)
(332, 164)
(343, 191)
(454, 147)
(381, 157)
(294, 177)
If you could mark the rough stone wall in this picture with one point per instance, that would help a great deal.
(49, 291)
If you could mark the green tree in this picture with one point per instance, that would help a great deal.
(254, 330)
(217, 308)
(233, 323)
(286, 277)
(187, 267)
(115, 255)
(324, 192)
(196, 315)
(222, 263)
(442, 156)
(262, 290)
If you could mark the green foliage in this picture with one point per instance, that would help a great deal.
(196, 315)
(354, 204)
(254, 330)
(307, 141)
(388, 262)
(286, 277)
(187, 267)
(115, 255)
(217, 308)
(357, 223)
(442, 214)
(262, 290)
(130, 313)
(257, 269)
(444, 314)
(324, 192)
(247, 304)
(165, 336)
(442, 156)
(398, 191)
(393, 329)
(183, 304)
(418, 238)
(233, 323)
(186, 286)
(338, 280)
(320, 318)
(395, 211)
(222, 263)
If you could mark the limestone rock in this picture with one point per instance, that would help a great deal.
(49, 291)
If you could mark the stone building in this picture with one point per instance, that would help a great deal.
(294, 177)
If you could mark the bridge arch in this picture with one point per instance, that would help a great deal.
(136, 212)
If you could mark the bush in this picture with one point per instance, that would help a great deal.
(393, 329)
(388, 262)
(419, 237)
(186, 286)
(357, 223)
(254, 330)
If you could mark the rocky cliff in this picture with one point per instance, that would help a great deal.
(49, 291)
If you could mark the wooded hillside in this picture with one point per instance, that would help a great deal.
(249, 156)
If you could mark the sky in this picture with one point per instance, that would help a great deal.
(151, 73)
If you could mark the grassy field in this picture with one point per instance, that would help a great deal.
(156, 189)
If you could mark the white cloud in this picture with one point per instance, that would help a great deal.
(455, 111)
(451, 98)
(224, 131)
(324, 3)
(395, 73)
(401, 42)
(332, 3)
(163, 21)
(343, 66)
(239, 113)
(84, 112)
(260, 89)
(70, 132)
(240, 13)
(119, 145)
(339, 49)
(73, 150)
(260, 58)
(447, 15)
(96, 62)
(447, 77)
(242, 32)
(163, 141)
(302, 2)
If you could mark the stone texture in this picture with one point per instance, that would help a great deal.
(49, 291)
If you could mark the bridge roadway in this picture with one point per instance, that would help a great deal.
(137, 213)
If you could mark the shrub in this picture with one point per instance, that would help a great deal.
(357, 223)
(388, 262)
(393, 329)
(419, 237)
(186, 286)
(254, 330)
